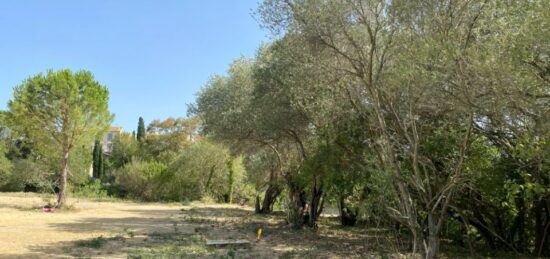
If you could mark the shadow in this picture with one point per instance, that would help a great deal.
(183, 233)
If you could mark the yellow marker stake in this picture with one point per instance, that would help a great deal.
(259, 234)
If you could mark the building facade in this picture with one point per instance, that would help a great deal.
(107, 141)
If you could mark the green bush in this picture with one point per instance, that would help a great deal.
(5, 165)
(200, 170)
(93, 190)
(141, 180)
(27, 174)
(125, 148)
(32, 174)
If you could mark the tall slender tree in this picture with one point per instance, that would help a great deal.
(140, 130)
(230, 180)
(60, 110)
(96, 159)
(101, 166)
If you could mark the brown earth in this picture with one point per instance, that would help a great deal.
(123, 229)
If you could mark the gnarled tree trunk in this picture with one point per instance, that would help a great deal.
(296, 205)
(270, 196)
(316, 205)
(348, 216)
(542, 228)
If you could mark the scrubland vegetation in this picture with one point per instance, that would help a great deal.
(424, 123)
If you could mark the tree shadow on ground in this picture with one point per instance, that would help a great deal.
(183, 233)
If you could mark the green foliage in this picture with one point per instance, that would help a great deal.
(140, 136)
(141, 180)
(27, 173)
(125, 149)
(75, 100)
(91, 190)
(80, 160)
(173, 245)
(97, 159)
(98, 242)
(57, 112)
(5, 164)
(401, 111)
(200, 170)
(95, 243)
(250, 113)
(223, 103)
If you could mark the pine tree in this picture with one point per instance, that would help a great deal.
(60, 110)
(141, 130)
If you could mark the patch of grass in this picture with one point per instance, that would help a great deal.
(99, 241)
(129, 232)
(95, 243)
(172, 245)
(299, 254)
(231, 253)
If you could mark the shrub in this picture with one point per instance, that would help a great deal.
(141, 180)
(93, 190)
(5, 165)
(200, 170)
(28, 175)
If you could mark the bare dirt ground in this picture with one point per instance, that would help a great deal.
(162, 230)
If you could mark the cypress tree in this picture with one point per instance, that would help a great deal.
(101, 166)
(140, 130)
(96, 163)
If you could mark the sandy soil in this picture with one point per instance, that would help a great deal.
(145, 230)
(26, 231)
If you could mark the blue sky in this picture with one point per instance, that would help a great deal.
(152, 55)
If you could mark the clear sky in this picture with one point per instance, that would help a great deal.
(152, 55)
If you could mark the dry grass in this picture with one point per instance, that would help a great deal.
(145, 230)
(27, 231)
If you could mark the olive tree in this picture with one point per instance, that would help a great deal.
(428, 76)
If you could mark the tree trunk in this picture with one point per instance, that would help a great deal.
(479, 223)
(518, 228)
(431, 242)
(231, 180)
(316, 195)
(348, 216)
(321, 207)
(542, 229)
(63, 178)
(270, 196)
(257, 208)
(296, 205)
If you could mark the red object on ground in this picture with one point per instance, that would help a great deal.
(47, 209)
